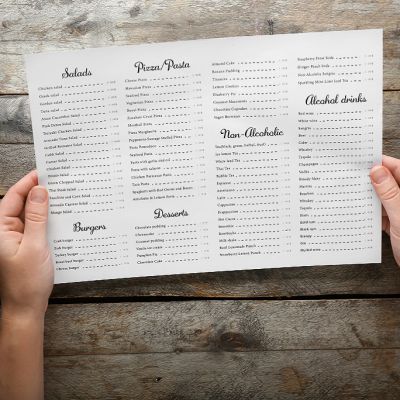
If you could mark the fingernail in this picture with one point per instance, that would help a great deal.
(38, 195)
(379, 174)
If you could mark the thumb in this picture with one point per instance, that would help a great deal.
(36, 210)
(388, 191)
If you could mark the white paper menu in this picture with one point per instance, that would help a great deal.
(210, 155)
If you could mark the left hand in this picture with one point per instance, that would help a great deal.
(26, 268)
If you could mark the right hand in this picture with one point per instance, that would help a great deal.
(386, 179)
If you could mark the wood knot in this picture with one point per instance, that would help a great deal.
(81, 26)
(231, 341)
(293, 381)
(134, 11)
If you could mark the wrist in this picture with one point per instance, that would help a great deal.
(22, 315)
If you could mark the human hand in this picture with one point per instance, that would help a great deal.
(386, 179)
(26, 268)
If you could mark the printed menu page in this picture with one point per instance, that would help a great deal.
(210, 155)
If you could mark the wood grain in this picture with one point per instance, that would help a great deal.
(16, 161)
(314, 349)
(277, 375)
(15, 120)
(42, 25)
(221, 325)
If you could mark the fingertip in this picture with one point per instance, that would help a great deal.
(35, 176)
(38, 194)
(379, 174)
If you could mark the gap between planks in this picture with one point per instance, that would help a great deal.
(222, 351)
(165, 299)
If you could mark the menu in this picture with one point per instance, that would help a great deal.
(210, 155)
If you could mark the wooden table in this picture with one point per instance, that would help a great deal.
(329, 332)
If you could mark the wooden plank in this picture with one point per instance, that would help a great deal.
(220, 325)
(16, 161)
(15, 120)
(64, 25)
(278, 375)
(391, 115)
(314, 349)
